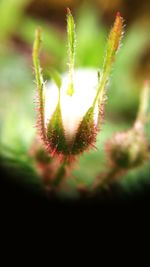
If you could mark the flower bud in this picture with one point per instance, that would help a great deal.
(131, 149)
(70, 108)
(71, 122)
(128, 149)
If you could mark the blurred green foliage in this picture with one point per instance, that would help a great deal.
(11, 13)
(17, 114)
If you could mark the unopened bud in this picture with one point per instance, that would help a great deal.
(128, 149)
(70, 109)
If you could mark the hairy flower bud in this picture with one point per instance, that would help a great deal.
(71, 122)
(70, 108)
(131, 149)
(128, 149)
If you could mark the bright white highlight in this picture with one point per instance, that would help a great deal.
(73, 108)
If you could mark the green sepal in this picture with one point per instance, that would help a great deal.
(86, 133)
(55, 132)
(71, 50)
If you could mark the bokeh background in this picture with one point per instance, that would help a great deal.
(18, 21)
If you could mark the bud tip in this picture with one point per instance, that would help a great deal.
(118, 14)
(68, 11)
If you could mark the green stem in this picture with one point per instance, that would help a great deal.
(60, 175)
(106, 179)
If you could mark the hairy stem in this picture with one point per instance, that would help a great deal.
(108, 178)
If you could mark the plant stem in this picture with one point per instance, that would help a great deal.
(106, 179)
